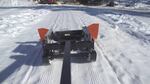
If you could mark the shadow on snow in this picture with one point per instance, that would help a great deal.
(27, 53)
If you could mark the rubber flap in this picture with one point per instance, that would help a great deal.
(42, 33)
(93, 30)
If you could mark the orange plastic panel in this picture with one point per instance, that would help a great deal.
(42, 33)
(93, 30)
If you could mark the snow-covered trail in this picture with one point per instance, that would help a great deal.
(115, 46)
(121, 58)
(126, 48)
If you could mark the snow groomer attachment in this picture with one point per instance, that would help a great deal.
(78, 44)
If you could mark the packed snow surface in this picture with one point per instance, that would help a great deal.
(16, 3)
(122, 47)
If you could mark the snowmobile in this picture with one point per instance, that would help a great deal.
(81, 43)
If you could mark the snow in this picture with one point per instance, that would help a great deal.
(14, 24)
(135, 4)
(122, 47)
(131, 25)
(10, 3)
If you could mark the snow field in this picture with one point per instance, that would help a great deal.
(14, 24)
(121, 58)
(14, 3)
(123, 52)
(131, 25)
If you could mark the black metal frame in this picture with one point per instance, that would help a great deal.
(80, 40)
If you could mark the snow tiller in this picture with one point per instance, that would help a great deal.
(69, 45)
(78, 44)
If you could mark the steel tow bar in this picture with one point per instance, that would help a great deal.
(66, 68)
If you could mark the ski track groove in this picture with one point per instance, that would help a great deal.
(52, 66)
(29, 69)
(44, 75)
(28, 73)
(54, 25)
(92, 76)
(101, 53)
(99, 64)
(92, 72)
(77, 68)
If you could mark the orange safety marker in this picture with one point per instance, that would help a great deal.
(93, 30)
(42, 33)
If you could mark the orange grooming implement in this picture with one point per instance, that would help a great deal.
(93, 30)
(42, 33)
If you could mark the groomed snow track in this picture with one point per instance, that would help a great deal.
(121, 58)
